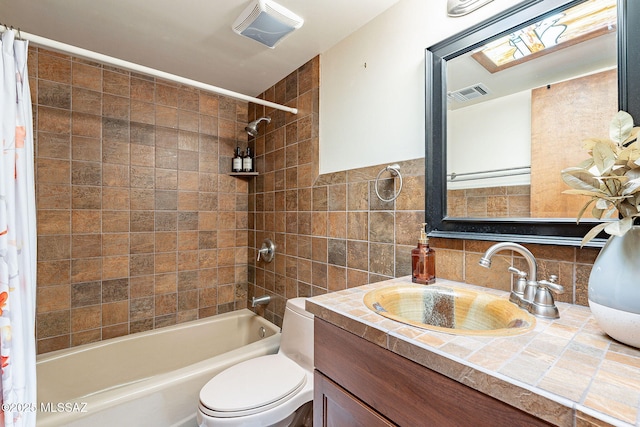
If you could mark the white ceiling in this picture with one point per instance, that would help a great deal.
(192, 38)
(584, 58)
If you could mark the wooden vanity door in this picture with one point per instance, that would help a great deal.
(333, 406)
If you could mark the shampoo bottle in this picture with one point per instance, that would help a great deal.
(247, 161)
(423, 261)
(236, 162)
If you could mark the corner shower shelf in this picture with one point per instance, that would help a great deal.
(244, 174)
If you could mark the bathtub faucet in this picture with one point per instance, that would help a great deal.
(263, 300)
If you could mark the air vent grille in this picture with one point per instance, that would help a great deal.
(267, 22)
(468, 93)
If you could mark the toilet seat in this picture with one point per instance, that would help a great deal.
(252, 386)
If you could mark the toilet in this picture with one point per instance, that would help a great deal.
(273, 390)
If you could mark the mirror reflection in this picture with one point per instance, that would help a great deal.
(511, 122)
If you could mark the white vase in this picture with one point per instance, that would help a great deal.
(614, 288)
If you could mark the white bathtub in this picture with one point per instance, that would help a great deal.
(150, 378)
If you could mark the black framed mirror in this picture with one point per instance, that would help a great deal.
(556, 231)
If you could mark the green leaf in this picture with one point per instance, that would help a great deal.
(602, 204)
(631, 187)
(615, 187)
(620, 127)
(616, 176)
(632, 138)
(584, 208)
(633, 174)
(597, 213)
(603, 157)
(628, 155)
(627, 209)
(590, 142)
(618, 228)
(586, 164)
(584, 193)
(593, 233)
(580, 179)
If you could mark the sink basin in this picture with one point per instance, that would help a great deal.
(450, 309)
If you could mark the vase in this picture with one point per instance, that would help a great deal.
(614, 288)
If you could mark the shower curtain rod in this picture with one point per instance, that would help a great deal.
(77, 51)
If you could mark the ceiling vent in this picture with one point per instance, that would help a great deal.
(468, 93)
(267, 22)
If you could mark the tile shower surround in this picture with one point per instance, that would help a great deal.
(332, 231)
(138, 224)
(140, 227)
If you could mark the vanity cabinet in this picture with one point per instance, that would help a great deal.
(358, 383)
(341, 408)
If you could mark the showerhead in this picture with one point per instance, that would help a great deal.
(252, 128)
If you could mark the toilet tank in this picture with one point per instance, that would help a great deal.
(296, 341)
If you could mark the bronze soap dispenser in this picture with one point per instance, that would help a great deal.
(423, 260)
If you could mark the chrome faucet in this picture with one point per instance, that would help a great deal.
(529, 293)
(521, 296)
(263, 300)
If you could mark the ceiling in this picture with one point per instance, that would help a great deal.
(192, 38)
(584, 58)
(574, 58)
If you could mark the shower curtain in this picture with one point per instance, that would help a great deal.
(17, 239)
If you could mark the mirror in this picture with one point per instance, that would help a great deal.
(464, 92)
(505, 121)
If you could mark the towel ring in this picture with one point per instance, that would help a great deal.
(394, 170)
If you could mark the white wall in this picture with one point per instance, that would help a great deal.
(483, 137)
(375, 114)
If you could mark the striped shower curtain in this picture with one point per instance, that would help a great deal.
(17, 239)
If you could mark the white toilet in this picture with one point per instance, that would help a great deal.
(266, 390)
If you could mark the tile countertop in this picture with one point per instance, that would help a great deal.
(566, 371)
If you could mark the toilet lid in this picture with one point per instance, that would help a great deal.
(253, 385)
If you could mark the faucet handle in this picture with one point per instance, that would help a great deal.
(551, 284)
(267, 251)
(543, 303)
(517, 291)
(520, 273)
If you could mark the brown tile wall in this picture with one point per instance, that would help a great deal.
(140, 227)
(503, 201)
(332, 232)
(329, 230)
(458, 260)
(138, 224)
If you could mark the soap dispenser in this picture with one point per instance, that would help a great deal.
(423, 260)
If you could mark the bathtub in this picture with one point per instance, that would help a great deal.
(149, 378)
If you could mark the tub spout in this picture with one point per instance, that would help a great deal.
(263, 300)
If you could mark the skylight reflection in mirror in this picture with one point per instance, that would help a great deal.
(585, 21)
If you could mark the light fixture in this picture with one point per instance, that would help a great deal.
(462, 7)
(267, 22)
